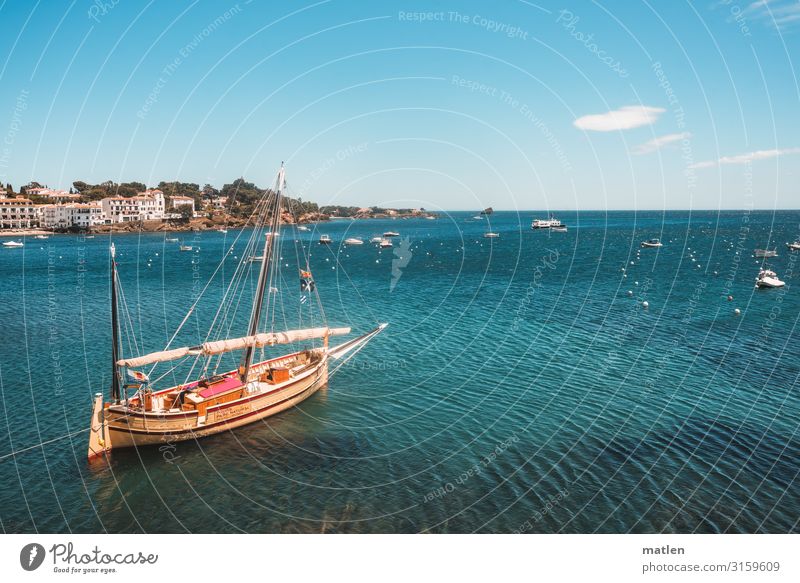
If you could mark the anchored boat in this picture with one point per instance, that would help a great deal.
(768, 279)
(550, 223)
(765, 253)
(139, 414)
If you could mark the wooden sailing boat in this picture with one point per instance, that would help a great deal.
(217, 402)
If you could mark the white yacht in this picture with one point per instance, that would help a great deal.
(768, 278)
(385, 243)
(762, 253)
(652, 243)
(550, 223)
(13, 244)
(353, 241)
(491, 235)
(325, 240)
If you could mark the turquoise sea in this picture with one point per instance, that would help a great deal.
(518, 388)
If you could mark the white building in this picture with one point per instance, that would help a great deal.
(54, 195)
(220, 202)
(180, 200)
(145, 206)
(17, 213)
(64, 216)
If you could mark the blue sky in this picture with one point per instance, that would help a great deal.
(445, 105)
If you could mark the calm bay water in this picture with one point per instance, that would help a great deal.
(519, 387)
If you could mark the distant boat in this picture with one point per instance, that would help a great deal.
(186, 247)
(302, 228)
(376, 240)
(794, 246)
(652, 243)
(478, 217)
(223, 231)
(391, 234)
(487, 211)
(13, 244)
(42, 237)
(353, 241)
(546, 223)
(765, 253)
(491, 235)
(89, 237)
(561, 229)
(256, 258)
(325, 240)
(172, 240)
(385, 243)
(430, 217)
(768, 279)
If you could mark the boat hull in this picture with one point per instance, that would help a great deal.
(125, 428)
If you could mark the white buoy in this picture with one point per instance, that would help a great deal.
(630, 293)
(645, 304)
(635, 283)
(737, 311)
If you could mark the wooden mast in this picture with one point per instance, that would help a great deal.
(255, 315)
(114, 330)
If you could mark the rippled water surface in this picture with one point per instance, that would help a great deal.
(519, 387)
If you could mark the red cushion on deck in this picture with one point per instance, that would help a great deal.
(220, 387)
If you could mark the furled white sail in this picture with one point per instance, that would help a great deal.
(269, 339)
(231, 344)
(161, 356)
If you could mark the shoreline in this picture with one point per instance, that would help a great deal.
(161, 227)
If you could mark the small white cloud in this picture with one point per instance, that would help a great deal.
(624, 118)
(659, 142)
(748, 157)
(780, 14)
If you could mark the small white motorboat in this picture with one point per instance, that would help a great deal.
(391, 234)
(478, 217)
(186, 247)
(652, 243)
(376, 240)
(559, 229)
(794, 246)
(353, 241)
(223, 231)
(256, 258)
(13, 244)
(325, 240)
(42, 237)
(385, 243)
(302, 228)
(171, 240)
(763, 253)
(491, 235)
(768, 278)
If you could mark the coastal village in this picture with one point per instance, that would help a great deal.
(39, 209)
